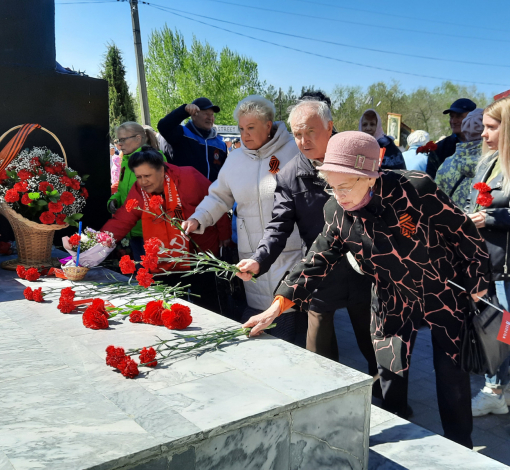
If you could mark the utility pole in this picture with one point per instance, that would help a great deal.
(142, 84)
(280, 99)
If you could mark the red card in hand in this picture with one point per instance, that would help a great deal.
(504, 330)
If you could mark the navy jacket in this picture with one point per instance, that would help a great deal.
(190, 147)
(299, 198)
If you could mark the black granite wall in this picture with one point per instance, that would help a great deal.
(73, 107)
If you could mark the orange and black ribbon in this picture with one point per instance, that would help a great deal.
(407, 227)
(13, 147)
(274, 165)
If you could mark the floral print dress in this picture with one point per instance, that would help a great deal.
(410, 239)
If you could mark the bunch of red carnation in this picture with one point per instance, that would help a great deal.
(66, 301)
(30, 274)
(177, 317)
(485, 197)
(127, 265)
(116, 357)
(35, 295)
(427, 148)
(95, 316)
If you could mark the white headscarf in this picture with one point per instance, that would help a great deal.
(418, 138)
(472, 125)
(379, 130)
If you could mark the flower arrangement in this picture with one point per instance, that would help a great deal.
(430, 146)
(484, 198)
(94, 247)
(39, 186)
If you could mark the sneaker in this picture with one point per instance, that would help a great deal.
(487, 402)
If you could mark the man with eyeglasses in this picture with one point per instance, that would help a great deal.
(300, 196)
(197, 143)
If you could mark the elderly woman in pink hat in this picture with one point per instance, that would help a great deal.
(410, 239)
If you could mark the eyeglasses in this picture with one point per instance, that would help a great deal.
(340, 192)
(121, 141)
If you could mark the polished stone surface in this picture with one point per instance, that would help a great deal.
(257, 404)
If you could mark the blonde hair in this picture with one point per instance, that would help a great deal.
(500, 111)
(145, 132)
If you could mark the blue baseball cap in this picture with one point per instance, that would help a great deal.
(461, 106)
(204, 103)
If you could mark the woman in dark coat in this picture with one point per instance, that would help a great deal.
(410, 239)
(489, 208)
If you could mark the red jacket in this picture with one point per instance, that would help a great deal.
(192, 187)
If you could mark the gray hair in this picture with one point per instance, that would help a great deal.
(257, 105)
(320, 108)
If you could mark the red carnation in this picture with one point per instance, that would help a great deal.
(147, 357)
(155, 203)
(38, 295)
(21, 272)
(24, 175)
(484, 199)
(152, 313)
(65, 180)
(35, 161)
(130, 369)
(61, 219)
(11, 195)
(21, 187)
(25, 199)
(67, 198)
(55, 207)
(5, 248)
(152, 245)
(66, 304)
(136, 316)
(98, 304)
(115, 356)
(144, 278)
(75, 184)
(178, 318)
(67, 293)
(131, 204)
(94, 318)
(150, 262)
(45, 186)
(47, 218)
(127, 265)
(84, 193)
(74, 240)
(32, 274)
(28, 293)
(3, 176)
(482, 187)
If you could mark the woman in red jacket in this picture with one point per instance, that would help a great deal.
(182, 189)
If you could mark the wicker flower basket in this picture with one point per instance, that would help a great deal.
(34, 241)
(75, 273)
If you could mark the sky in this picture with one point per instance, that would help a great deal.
(451, 30)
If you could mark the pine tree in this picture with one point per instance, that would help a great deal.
(121, 106)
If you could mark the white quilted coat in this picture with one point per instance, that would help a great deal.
(245, 178)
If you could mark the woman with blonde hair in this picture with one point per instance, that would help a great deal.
(488, 207)
(131, 136)
(248, 178)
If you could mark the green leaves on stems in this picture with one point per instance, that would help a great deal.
(73, 219)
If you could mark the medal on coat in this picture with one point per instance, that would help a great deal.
(407, 227)
(274, 165)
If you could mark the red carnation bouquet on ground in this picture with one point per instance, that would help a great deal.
(39, 186)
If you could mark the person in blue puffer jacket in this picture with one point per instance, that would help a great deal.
(197, 143)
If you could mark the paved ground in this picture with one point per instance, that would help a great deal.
(491, 434)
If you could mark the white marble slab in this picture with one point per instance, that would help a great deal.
(257, 404)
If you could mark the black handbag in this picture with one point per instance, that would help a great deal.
(481, 351)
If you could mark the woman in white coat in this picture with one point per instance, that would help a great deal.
(248, 177)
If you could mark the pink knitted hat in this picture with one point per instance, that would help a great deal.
(353, 152)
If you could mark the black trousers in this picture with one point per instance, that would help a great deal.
(453, 395)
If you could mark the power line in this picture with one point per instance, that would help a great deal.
(166, 9)
(434, 21)
(361, 24)
(85, 2)
(333, 42)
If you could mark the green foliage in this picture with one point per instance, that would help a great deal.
(421, 109)
(121, 107)
(178, 74)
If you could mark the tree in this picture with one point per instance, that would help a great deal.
(121, 106)
(177, 74)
